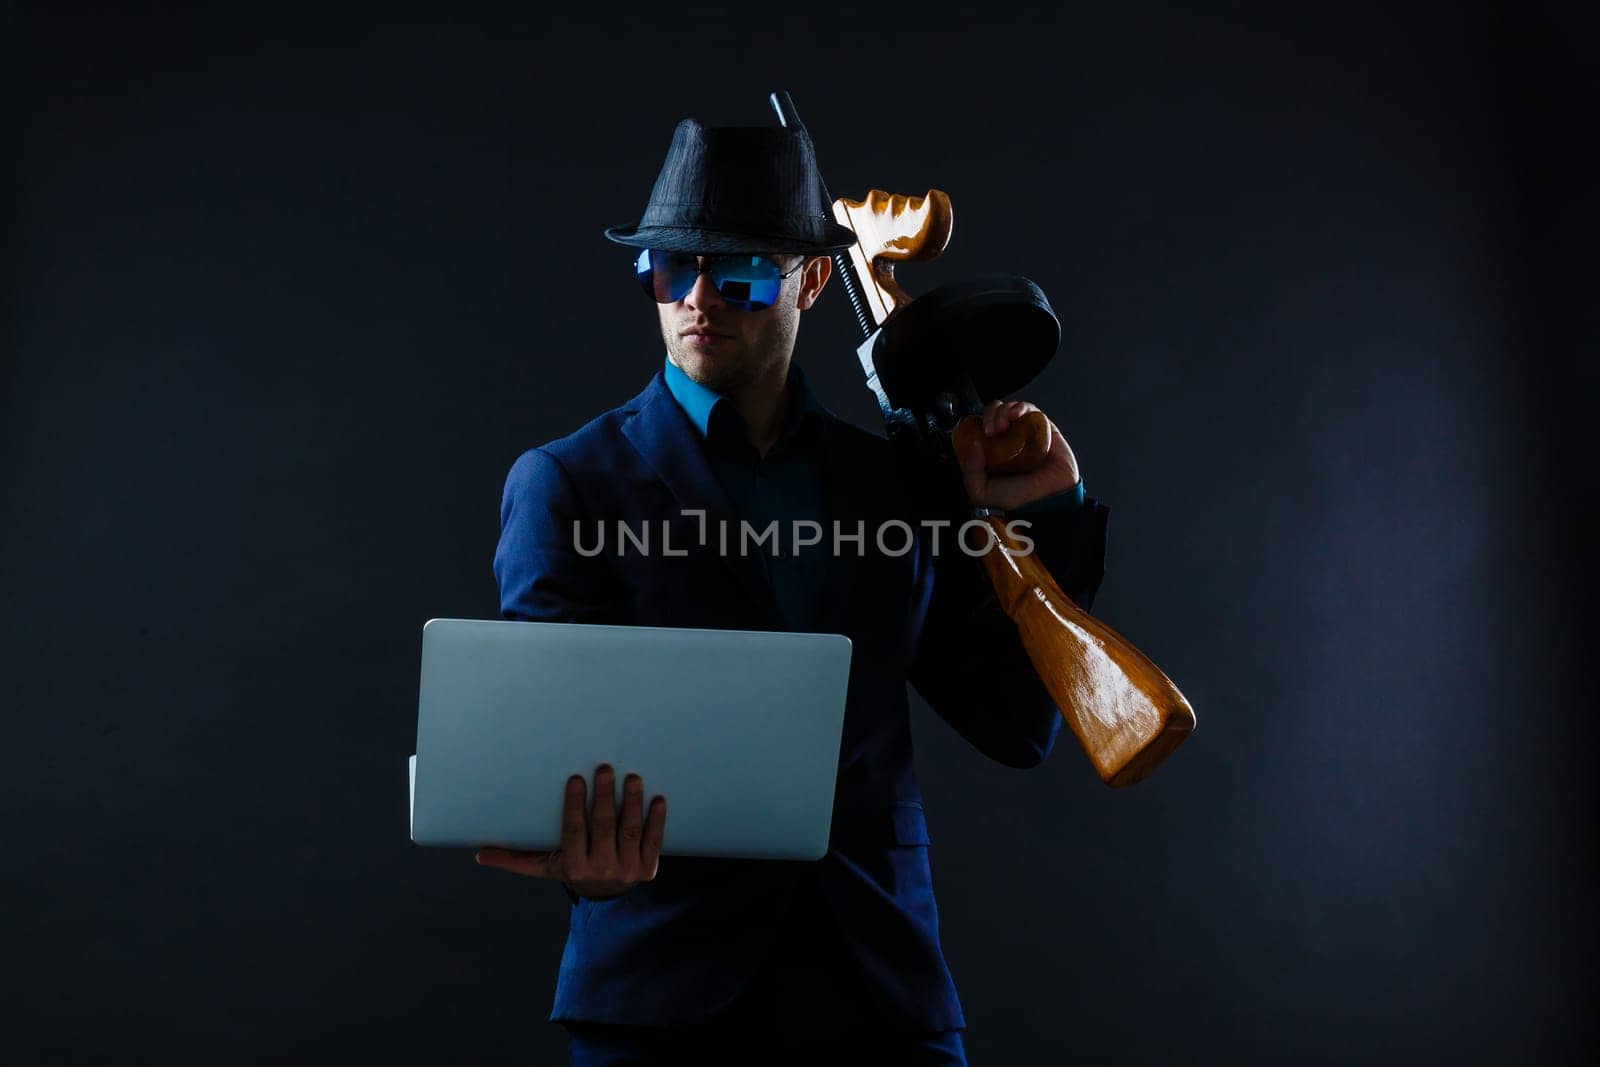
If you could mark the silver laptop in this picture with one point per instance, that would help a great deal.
(739, 729)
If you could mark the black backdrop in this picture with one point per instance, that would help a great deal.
(285, 298)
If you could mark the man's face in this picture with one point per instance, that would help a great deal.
(727, 349)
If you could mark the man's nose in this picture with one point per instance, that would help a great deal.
(703, 294)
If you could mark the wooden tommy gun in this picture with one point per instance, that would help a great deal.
(932, 362)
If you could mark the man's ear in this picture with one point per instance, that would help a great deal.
(818, 270)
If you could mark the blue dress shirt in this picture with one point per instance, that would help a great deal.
(782, 487)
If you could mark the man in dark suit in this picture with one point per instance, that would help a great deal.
(702, 960)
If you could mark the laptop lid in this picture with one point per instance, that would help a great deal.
(739, 729)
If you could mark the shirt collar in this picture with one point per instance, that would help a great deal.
(698, 402)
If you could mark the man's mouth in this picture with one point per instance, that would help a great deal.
(703, 335)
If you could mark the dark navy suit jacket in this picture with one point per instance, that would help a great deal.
(677, 949)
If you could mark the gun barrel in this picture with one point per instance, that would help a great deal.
(783, 104)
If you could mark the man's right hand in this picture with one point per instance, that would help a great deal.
(599, 857)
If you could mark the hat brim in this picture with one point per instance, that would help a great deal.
(699, 239)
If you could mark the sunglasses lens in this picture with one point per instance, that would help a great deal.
(665, 276)
(749, 282)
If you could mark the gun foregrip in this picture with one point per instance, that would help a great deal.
(1024, 445)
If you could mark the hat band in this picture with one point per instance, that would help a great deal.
(696, 215)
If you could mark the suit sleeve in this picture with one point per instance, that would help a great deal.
(970, 665)
(543, 577)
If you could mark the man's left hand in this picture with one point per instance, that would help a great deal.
(1058, 473)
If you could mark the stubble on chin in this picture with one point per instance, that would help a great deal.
(727, 372)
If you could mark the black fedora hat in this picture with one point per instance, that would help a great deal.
(737, 189)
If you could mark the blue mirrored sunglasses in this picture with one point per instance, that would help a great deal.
(749, 283)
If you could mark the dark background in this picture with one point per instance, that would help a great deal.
(285, 298)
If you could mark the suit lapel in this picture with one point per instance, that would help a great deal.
(666, 439)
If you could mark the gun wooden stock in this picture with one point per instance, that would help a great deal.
(1124, 711)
